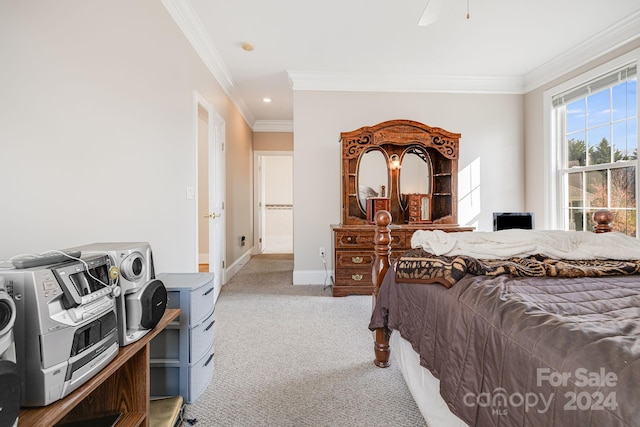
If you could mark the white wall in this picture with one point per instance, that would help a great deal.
(491, 160)
(97, 128)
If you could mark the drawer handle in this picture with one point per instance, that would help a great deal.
(208, 292)
(356, 277)
(208, 360)
(356, 259)
(210, 325)
(349, 239)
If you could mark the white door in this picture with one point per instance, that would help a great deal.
(211, 232)
(216, 205)
(261, 206)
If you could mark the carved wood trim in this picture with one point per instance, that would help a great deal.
(400, 132)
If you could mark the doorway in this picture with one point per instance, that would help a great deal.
(211, 246)
(274, 194)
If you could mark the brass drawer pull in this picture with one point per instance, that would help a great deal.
(356, 259)
(356, 277)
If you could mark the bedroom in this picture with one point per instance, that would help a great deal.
(68, 98)
(108, 88)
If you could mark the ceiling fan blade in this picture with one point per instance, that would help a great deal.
(431, 12)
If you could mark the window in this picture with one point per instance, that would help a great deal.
(596, 126)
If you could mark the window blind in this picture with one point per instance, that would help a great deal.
(628, 72)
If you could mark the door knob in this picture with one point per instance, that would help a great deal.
(212, 215)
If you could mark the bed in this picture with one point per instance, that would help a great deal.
(550, 338)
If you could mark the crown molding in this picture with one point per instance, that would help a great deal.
(187, 20)
(625, 31)
(602, 43)
(354, 82)
(273, 126)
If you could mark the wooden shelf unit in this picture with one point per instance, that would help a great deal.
(121, 387)
(437, 147)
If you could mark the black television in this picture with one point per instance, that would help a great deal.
(508, 220)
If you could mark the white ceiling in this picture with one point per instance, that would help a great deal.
(507, 46)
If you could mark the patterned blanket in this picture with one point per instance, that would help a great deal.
(420, 266)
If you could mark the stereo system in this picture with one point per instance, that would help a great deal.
(143, 298)
(65, 315)
(65, 329)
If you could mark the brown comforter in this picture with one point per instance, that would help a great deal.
(525, 351)
(419, 266)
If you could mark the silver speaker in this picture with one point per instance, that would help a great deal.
(7, 320)
(11, 389)
(141, 303)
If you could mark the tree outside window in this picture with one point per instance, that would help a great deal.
(600, 134)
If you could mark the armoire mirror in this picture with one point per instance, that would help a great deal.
(399, 159)
(415, 172)
(373, 179)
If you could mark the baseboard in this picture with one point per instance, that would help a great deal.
(237, 265)
(312, 277)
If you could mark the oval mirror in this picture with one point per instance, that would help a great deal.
(415, 173)
(372, 176)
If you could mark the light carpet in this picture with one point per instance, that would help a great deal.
(290, 355)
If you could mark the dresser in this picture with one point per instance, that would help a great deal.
(401, 166)
(354, 255)
(181, 357)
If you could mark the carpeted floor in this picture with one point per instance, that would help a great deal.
(296, 356)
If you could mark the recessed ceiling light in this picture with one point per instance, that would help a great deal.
(266, 100)
(247, 46)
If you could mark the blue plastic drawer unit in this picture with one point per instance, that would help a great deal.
(182, 355)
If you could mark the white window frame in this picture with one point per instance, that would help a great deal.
(554, 215)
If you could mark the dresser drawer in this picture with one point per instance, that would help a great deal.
(191, 292)
(200, 375)
(354, 240)
(202, 337)
(354, 276)
(364, 239)
(354, 259)
(350, 259)
(201, 303)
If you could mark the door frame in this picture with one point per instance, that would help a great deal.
(258, 185)
(215, 127)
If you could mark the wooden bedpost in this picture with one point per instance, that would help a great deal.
(603, 219)
(382, 249)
